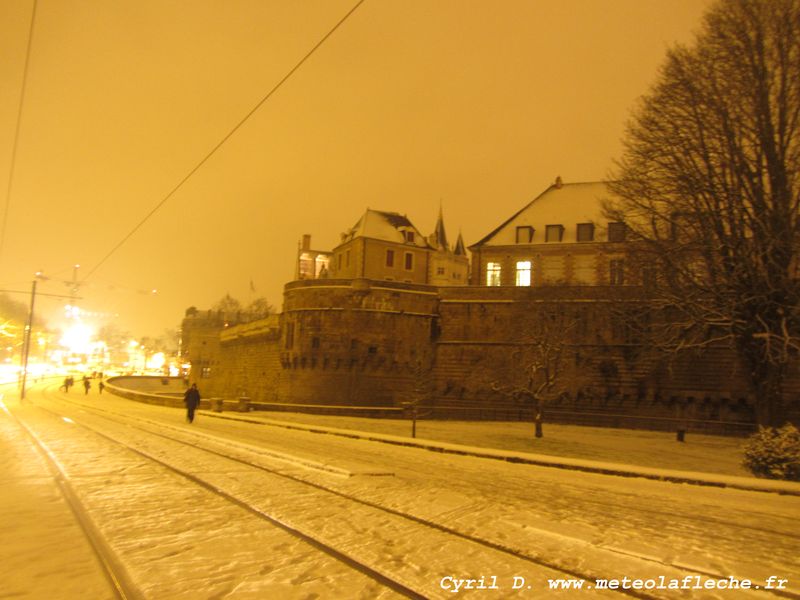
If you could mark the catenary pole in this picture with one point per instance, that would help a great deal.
(27, 341)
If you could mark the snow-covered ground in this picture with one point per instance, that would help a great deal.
(179, 541)
(706, 453)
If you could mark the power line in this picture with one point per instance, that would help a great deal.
(12, 168)
(224, 139)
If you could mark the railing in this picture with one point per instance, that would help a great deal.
(472, 412)
(591, 418)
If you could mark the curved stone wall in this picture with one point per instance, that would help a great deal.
(354, 342)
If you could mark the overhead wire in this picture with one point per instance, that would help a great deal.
(236, 127)
(15, 144)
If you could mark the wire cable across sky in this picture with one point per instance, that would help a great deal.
(12, 168)
(235, 128)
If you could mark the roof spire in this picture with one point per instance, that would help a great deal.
(460, 250)
(439, 232)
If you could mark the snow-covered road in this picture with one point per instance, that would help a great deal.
(489, 519)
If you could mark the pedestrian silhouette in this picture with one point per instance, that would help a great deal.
(101, 386)
(86, 385)
(192, 400)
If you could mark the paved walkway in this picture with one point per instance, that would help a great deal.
(43, 551)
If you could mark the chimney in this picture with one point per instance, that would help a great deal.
(559, 184)
(306, 241)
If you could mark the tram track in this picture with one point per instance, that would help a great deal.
(478, 546)
(120, 583)
(396, 583)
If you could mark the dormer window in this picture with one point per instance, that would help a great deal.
(585, 232)
(616, 232)
(409, 237)
(524, 234)
(553, 233)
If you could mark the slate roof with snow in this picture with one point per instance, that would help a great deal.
(565, 204)
(387, 226)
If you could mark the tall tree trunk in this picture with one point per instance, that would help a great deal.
(538, 418)
(767, 380)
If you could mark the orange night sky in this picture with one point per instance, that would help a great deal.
(478, 105)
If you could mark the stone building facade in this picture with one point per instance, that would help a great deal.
(387, 246)
(368, 329)
(560, 238)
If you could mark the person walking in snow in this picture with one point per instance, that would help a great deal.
(192, 400)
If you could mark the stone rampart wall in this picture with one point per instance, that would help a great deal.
(354, 342)
(361, 343)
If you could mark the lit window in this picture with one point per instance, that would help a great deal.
(585, 232)
(390, 258)
(524, 234)
(616, 275)
(553, 233)
(322, 264)
(524, 273)
(306, 266)
(409, 261)
(493, 274)
(205, 372)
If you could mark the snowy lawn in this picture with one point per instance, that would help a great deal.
(657, 449)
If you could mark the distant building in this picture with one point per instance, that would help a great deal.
(386, 246)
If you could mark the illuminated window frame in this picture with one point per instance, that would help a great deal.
(493, 272)
(524, 272)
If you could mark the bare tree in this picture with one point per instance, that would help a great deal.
(539, 368)
(259, 308)
(12, 310)
(708, 186)
(232, 308)
(228, 305)
(418, 404)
